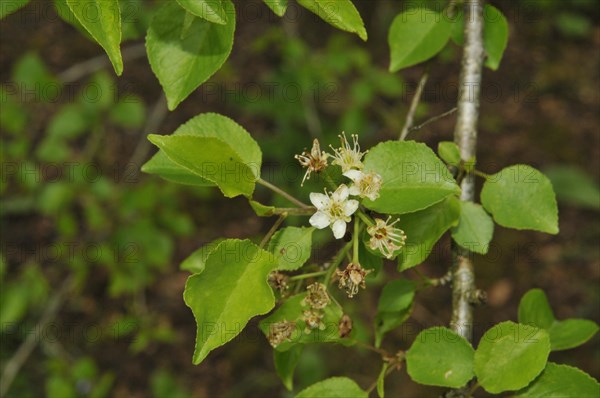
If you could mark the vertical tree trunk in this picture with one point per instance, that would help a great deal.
(465, 136)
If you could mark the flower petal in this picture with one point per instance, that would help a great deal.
(354, 190)
(341, 193)
(350, 207)
(319, 200)
(373, 196)
(319, 220)
(354, 175)
(339, 229)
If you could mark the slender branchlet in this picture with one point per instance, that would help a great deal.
(465, 136)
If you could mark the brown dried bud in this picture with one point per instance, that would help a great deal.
(345, 326)
(352, 278)
(279, 281)
(314, 320)
(280, 332)
(317, 297)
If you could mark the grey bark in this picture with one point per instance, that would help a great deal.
(465, 136)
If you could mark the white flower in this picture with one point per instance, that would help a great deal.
(333, 210)
(385, 237)
(348, 157)
(315, 161)
(366, 185)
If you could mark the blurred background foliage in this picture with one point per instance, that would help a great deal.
(91, 247)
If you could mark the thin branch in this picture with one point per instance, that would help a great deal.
(155, 118)
(24, 351)
(95, 64)
(413, 107)
(311, 115)
(295, 211)
(307, 276)
(433, 119)
(273, 229)
(373, 386)
(481, 174)
(369, 347)
(465, 136)
(337, 261)
(365, 218)
(282, 193)
(473, 388)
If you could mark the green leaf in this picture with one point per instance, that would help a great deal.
(381, 380)
(413, 177)
(277, 6)
(196, 261)
(188, 21)
(161, 165)
(181, 65)
(495, 36)
(521, 197)
(457, 33)
(285, 364)
(394, 307)
(165, 384)
(291, 247)
(449, 152)
(510, 356)
(573, 186)
(232, 289)
(571, 333)
(440, 357)
(129, 112)
(340, 13)
(59, 386)
(535, 310)
(69, 122)
(574, 24)
(31, 75)
(210, 10)
(561, 381)
(102, 19)
(8, 7)
(14, 115)
(262, 210)
(417, 35)
(207, 125)
(475, 228)
(99, 93)
(209, 158)
(14, 303)
(65, 13)
(424, 228)
(334, 387)
(292, 310)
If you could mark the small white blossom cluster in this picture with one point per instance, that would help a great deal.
(334, 209)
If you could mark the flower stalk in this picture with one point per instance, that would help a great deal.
(282, 193)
